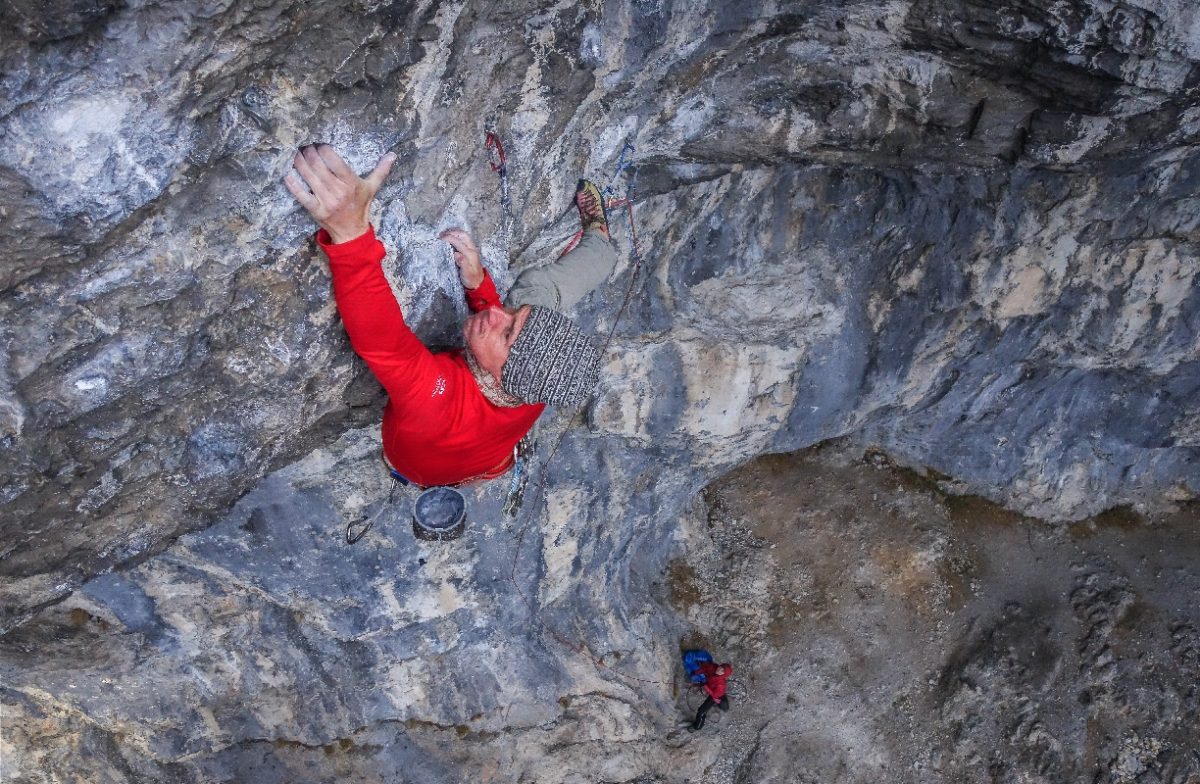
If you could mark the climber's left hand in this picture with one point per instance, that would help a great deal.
(466, 257)
(339, 198)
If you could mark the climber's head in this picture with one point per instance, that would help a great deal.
(490, 334)
(550, 361)
(538, 355)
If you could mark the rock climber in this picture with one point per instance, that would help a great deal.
(455, 418)
(715, 676)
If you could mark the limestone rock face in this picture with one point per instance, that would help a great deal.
(964, 235)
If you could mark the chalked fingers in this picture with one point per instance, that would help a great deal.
(458, 239)
(306, 199)
(336, 165)
(380, 172)
(311, 179)
(316, 172)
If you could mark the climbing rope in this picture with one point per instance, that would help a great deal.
(495, 150)
(498, 161)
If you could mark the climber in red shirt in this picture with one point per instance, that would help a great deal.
(456, 417)
(715, 676)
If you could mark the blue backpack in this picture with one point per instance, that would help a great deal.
(692, 661)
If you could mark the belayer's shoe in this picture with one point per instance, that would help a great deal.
(697, 725)
(590, 202)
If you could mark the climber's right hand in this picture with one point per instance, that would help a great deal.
(336, 198)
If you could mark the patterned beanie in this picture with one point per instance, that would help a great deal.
(552, 361)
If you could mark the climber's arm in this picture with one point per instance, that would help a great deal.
(478, 284)
(372, 316)
(339, 201)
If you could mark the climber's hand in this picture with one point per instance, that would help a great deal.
(339, 198)
(466, 256)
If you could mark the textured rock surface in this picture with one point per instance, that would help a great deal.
(880, 632)
(964, 236)
(891, 634)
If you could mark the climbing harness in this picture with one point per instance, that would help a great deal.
(692, 698)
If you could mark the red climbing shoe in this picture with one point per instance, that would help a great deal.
(590, 203)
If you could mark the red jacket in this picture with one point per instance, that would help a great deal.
(714, 684)
(438, 428)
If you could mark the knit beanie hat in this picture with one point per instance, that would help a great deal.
(552, 361)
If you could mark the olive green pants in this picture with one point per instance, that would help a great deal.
(562, 283)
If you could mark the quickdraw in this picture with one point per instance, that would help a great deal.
(499, 163)
(353, 536)
(522, 455)
(492, 143)
(622, 165)
(627, 201)
(612, 202)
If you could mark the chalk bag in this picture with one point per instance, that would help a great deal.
(439, 514)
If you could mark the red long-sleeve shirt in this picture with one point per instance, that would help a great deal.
(438, 428)
(715, 684)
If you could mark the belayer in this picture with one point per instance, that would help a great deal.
(456, 417)
(703, 671)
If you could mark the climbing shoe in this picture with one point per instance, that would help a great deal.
(590, 203)
(696, 725)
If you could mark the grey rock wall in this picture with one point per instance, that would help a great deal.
(965, 236)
